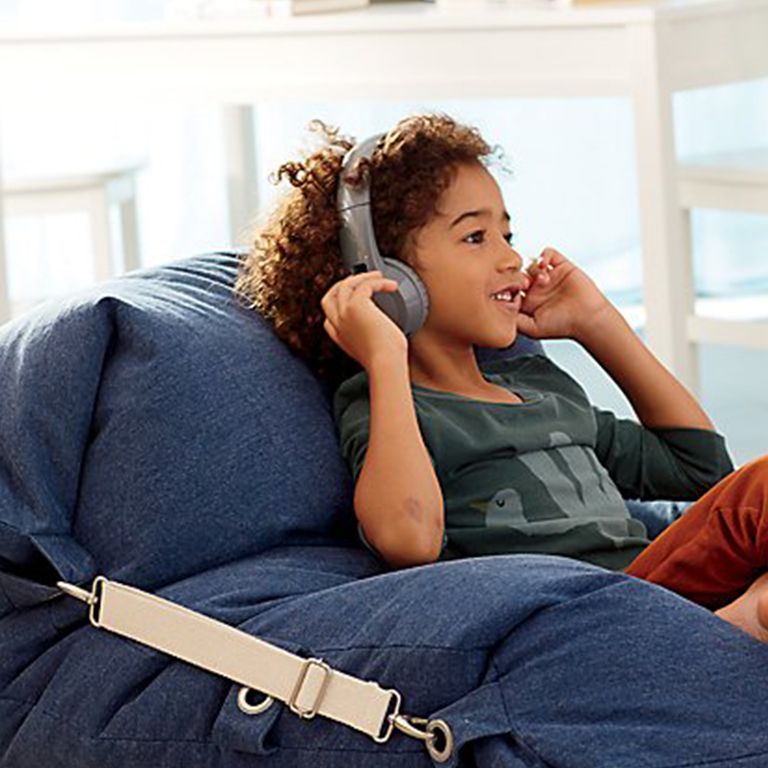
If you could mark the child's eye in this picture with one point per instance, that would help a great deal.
(509, 237)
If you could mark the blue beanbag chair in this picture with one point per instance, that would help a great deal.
(155, 432)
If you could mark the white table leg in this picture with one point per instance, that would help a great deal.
(5, 300)
(103, 260)
(237, 124)
(688, 300)
(121, 192)
(130, 228)
(668, 287)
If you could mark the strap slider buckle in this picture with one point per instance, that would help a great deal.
(313, 710)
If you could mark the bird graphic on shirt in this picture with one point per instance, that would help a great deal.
(503, 510)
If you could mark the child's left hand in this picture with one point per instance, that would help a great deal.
(561, 301)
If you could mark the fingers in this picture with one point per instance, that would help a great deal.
(353, 280)
(359, 287)
(362, 290)
(331, 297)
(552, 256)
(364, 284)
(539, 269)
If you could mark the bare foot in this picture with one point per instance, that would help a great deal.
(749, 612)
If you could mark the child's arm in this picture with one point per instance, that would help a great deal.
(398, 499)
(564, 303)
(658, 398)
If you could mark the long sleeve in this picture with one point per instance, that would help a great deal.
(664, 463)
(352, 412)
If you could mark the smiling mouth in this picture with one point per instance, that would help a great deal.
(513, 304)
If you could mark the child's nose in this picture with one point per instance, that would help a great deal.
(510, 259)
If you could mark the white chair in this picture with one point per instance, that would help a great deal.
(94, 193)
(736, 181)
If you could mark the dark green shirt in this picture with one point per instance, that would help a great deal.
(548, 475)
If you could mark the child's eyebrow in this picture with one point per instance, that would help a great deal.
(479, 212)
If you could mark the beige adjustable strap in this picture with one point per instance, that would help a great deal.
(309, 686)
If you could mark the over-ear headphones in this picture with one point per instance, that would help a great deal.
(409, 304)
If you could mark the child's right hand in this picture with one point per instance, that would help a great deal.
(356, 324)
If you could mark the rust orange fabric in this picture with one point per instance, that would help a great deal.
(714, 552)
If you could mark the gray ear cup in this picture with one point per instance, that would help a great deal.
(409, 304)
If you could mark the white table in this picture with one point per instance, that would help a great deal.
(410, 51)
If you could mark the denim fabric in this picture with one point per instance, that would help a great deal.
(656, 515)
(533, 661)
(153, 428)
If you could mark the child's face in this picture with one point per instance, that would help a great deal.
(463, 256)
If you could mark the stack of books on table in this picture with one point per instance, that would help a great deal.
(483, 4)
(219, 9)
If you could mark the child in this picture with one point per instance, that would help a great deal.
(453, 461)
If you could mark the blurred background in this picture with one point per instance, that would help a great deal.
(573, 186)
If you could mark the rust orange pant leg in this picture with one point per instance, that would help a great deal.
(719, 546)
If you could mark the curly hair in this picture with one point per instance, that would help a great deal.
(295, 256)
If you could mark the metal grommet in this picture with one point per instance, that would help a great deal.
(440, 745)
(252, 709)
